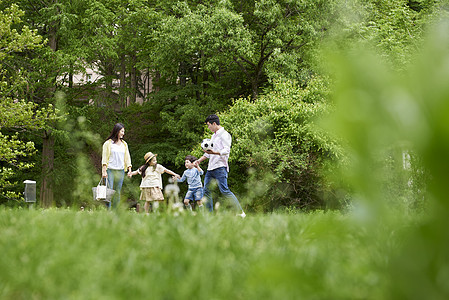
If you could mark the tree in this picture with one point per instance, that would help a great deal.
(17, 115)
(253, 41)
(44, 67)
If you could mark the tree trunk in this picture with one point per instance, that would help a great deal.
(71, 79)
(182, 73)
(48, 157)
(254, 79)
(155, 81)
(133, 75)
(255, 88)
(123, 100)
(48, 152)
(109, 70)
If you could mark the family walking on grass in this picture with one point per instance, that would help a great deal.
(116, 160)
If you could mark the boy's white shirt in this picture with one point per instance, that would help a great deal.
(221, 140)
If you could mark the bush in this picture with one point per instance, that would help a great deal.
(277, 144)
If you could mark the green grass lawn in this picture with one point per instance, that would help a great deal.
(65, 254)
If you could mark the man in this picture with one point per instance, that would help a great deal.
(218, 167)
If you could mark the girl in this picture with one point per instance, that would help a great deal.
(151, 185)
(115, 160)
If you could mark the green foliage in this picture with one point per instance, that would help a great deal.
(394, 27)
(383, 113)
(275, 136)
(76, 170)
(17, 116)
(226, 49)
(14, 40)
(147, 132)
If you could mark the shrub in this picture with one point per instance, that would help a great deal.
(278, 145)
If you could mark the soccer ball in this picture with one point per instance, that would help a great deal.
(207, 145)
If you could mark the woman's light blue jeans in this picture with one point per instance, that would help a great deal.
(115, 182)
(221, 176)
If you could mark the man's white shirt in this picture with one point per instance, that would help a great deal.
(221, 140)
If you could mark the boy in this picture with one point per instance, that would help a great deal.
(193, 176)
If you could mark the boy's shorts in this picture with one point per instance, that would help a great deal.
(194, 194)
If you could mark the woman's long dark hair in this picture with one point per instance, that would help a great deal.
(115, 131)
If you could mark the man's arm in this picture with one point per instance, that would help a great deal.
(226, 140)
(199, 160)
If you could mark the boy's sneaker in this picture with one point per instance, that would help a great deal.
(242, 214)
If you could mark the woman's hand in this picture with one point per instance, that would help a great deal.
(104, 173)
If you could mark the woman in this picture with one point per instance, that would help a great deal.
(115, 161)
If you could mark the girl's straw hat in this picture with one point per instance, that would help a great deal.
(149, 156)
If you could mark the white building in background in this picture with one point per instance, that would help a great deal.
(92, 76)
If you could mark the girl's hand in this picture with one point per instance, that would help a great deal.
(104, 174)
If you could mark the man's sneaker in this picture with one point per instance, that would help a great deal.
(242, 214)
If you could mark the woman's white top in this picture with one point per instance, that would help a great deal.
(117, 158)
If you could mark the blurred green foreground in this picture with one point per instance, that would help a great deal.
(62, 254)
